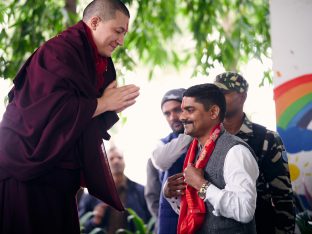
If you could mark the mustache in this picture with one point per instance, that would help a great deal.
(186, 122)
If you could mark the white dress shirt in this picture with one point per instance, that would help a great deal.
(238, 199)
(166, 154)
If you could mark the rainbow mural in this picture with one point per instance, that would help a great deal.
(294, 124)
(294, 113)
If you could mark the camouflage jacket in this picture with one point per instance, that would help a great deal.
(275, 211)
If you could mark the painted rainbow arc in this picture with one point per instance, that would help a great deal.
(294, 103)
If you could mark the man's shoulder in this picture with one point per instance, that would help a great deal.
(232, 140)
(270, 135)
(274, 135)
(169, 138)
(260, 128)
(71, 38)
(230, 137)
(135, 185)
(272, 141)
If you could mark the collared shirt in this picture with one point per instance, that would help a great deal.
(238, 198)
(166, 154)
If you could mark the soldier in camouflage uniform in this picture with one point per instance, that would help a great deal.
(275, 211)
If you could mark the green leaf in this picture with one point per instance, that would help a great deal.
(122, 231)
(96, 231)
(138, 222)
(85, 218)
(150, 225)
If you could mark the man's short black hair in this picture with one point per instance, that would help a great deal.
(208, 95)
(106, 9)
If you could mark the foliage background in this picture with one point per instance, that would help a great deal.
(228, 32)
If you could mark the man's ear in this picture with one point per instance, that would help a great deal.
(214, 112)
(244, 96)
(94, 22)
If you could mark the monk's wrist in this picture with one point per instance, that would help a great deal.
(100, 108)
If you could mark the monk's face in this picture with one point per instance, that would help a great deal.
(109, 34)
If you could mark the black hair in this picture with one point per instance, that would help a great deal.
(208, 95)
(106, 9)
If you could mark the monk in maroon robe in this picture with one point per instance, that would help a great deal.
(64, 100)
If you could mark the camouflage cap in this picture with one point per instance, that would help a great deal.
(231, 81)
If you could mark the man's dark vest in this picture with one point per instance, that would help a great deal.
(214, 173)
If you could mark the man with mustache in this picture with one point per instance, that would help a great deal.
(220, 171)
(171, 108)
(275, 211)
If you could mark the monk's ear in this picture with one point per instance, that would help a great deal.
(214, 112)
(94, 22)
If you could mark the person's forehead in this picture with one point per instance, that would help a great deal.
(120, 20)
(229, 95)
(189, 101)
(228, 92)
(114, 154)
(171, 104)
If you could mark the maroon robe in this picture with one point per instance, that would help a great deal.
(48, 137)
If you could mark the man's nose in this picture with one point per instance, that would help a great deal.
(120, 39)
(181, 117)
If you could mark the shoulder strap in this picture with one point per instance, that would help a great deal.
(256, 142)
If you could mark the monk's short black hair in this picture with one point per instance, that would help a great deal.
(106, 9)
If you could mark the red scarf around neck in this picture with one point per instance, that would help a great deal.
(100, 61)
(192, 208)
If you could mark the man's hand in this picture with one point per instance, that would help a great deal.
(174, 186)
(116, 98)
(98, 213)
(194, 176)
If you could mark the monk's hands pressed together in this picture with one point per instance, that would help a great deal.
(116, 98)
(174, 186)
(194, 176)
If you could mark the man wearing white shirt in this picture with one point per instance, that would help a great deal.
(227, 181)
(167, 219)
